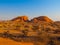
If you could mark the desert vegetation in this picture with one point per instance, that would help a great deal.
(40, 30)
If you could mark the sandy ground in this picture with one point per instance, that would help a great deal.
(4, 41)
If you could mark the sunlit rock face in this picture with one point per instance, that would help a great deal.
(41, 18)
(20, 18)
(36, 19)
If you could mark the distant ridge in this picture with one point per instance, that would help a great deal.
(36, 19)
(42, 18)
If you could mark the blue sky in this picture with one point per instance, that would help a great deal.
(32, 8)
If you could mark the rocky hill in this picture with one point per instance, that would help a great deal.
(20, 18)
(39, 30)
(42, 18)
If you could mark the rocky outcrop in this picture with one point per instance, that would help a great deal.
(36, 19)
(41, 18)
(20, 18)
